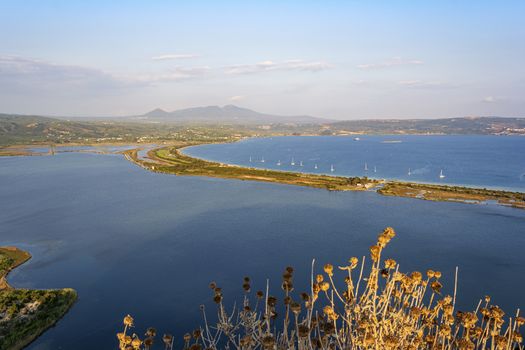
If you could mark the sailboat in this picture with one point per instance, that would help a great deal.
(332, 168)
(250, 159)
(409, 173)
(375, 169)
(366, 167)
(301, 163)
(279, 162)
(315, 166)
(293, 162)
(262, 160)
(441, 176)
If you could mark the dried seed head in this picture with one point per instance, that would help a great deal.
(295, 307)
(353, 262)
(128, 321)
(303, 331)
(167, 339)
(196, 334)
(329, 269)
(374, 252)
(151, 332)
(390, 263)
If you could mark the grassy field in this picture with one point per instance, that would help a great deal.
(25, 313)
(453, 193)
(171, 160)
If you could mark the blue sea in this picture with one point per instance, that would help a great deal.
(480, 161)
(148, 244)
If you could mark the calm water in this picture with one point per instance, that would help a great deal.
(132, 241)
(481, 161)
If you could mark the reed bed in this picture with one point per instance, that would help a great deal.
(381, 309)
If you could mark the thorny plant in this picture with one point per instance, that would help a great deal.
(387, 309)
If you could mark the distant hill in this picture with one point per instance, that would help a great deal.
(162, 125)
(465, 126)
(229, 114)
(16, 129)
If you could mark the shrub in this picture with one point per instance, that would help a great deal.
(384, 309)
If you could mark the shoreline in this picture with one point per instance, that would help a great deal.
(27, 313)
(424, 191)
(170, 160)
(389, 187)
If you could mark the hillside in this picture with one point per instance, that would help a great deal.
(465, 126)
(21, 129)
(195, 124)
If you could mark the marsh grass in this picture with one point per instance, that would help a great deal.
(382, 308)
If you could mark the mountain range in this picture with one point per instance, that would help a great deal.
(228, 114)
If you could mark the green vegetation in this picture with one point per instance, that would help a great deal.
(449, 126)
(452, 193)
(24, 313)
(19, 130)
(171, 160)
(383, 308)
(23, 129)
(10, 257)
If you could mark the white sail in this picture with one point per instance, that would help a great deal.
(332, 168)
(293, 162)
(441, 176)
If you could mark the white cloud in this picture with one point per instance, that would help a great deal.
(492, 99)
(237, 98)
(174, 56)
(29, 74)
(175, 74)
(268, 66)
(393, 62)
(420, 83)
(26, 74)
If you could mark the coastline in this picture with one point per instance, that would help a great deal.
(158, 161)
(171, 161)
(27, 313)
(202, 167)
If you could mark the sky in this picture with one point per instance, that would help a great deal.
(333, 59)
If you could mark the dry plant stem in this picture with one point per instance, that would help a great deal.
(392, 312)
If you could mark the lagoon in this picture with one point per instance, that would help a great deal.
(495, 162)
(148, 244)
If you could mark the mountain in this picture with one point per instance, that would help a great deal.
(229, 114)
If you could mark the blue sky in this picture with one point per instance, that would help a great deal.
(337, 59)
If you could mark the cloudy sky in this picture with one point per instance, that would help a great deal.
(337, 59)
